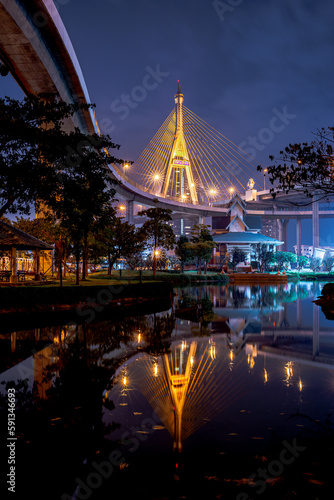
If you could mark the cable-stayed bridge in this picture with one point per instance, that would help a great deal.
(188, 166)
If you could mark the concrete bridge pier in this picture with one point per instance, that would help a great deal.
(130, 211)
(283, 233)
(315, 222)
(299, 235)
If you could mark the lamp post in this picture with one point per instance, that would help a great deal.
(125, 166)
(264, 178)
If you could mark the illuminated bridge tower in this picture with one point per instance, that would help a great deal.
(179, 181)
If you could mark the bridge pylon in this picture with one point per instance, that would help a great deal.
(179, 180)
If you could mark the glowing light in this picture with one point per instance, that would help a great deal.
(122, 207)
(156, 177)
(231, 355)
(156, 252)
(155, 369)
(212, 191)
(265, 373)
(231, 190)
(125, 380)
(139, 338)
(250, 361)
(289, 370)
(300, 384)
(191, 360)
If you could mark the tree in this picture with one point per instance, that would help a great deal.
(183, 252)
(328, 263)
(283, 259)
(201, 244)
(302, 261)
(119, 239)
(262, 255)
(307, 167)
(315, 264)
(39, 160)
(237, 256)
(157, 231)
(66, 174)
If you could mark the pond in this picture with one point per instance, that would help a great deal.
(229, 394)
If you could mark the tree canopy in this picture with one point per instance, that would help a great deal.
(305, 166)
(41, 162)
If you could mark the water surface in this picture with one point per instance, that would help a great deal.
(229, 392)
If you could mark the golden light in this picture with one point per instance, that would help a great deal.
(191, 360)
(288, 369)
(125, 380)
(156, 177)
(231, 354)
(212, 191)
(156, 252)
(122, 207)
(231, 190)
(139, 338)
(300, 384)
(265, 373)
(126, 165)
(155, 369)
(250, 361)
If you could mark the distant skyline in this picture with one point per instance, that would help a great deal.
(259, 72)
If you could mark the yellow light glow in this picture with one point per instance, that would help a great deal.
(126, 165)
(191, 360)
(231, 354)
(300, 384)
(156, 252)
(231, 189)
(155, 369)
(125, 381)
(122, 207)
(156, 177)
(139, 338)
(265, 373)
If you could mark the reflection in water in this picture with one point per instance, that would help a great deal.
(219, 374)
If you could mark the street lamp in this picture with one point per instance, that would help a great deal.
(264, 178)
(125, 166)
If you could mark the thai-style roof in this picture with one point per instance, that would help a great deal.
(10, 237)
(244, 237)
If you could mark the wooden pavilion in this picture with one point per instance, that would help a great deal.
(12, 240)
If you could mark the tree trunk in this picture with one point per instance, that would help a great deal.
(65, 259)
(60, 262)
(199, 266)
(77, 270)
(109, 266)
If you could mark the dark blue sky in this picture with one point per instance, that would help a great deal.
(241, 67)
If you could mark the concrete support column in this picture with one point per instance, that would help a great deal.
(13, 266)
(129, 211)
(299, 236)
(201, 219)
(315, 223)
(283, 233)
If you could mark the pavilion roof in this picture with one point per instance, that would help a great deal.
(10, 237)
(244, 237)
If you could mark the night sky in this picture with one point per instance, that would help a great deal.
(242, 65)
